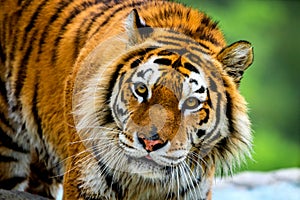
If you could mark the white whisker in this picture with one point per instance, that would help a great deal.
(194, 192)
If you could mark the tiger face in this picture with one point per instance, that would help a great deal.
(159, 106)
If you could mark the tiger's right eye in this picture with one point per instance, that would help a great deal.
(141, 90)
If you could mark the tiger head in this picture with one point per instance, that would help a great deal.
(169, 103)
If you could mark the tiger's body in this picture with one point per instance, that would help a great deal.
(118, 100)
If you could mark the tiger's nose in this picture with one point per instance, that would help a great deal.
(151, 144)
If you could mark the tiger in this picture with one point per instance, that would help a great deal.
(135, 99)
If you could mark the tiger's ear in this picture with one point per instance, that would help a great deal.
(236, 58)
(136, 28)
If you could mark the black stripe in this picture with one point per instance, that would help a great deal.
(2, 54)
(40, 172)
(87, 196)
(229, 114)
(193, 45)
(200, 90)
(78, 37)
(208, 22)
(107, 118)
(34, 109)
(207, 36)
(210, 38)
(22, 73)
(167, 42)
(25, 3)
(53, 18)
(19, 2)
(171, 195)
(205, 20)
(7, 158)
(111, 85)
(199, 49)
(113, 184)
(191, 67)
(196, 82)
(205, 120)
(8, 142)
(3, 91)
(10, 183)
(113, 80)
(180, 38)
(116, 109)
(17, 30)
(194, 58)
(76, 11)
(193, 184)
(3, 38)
(196, 48)
(208, 101)
(177, 63)
(212, 85)
(4, 120)
(31, 23)
(163, 61)
(91, 19)
(36, 116)
(217, 116)
(180, 51)
(200, 133)
(80, 33)
(136, 63)
(165, 53)
(94, 19)
(133, 4)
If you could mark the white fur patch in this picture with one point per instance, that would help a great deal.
(59, 192)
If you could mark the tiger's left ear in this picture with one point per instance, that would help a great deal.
(236, 58)
(136, 28)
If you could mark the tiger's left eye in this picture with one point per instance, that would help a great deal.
(191, 103)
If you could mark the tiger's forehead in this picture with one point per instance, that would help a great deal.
(173, 72)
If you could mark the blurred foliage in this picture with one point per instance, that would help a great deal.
(270, 85)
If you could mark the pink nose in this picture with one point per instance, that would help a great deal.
(151, 145)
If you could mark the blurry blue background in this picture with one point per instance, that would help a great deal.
(271, 84)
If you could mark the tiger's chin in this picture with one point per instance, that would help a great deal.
(146, 167)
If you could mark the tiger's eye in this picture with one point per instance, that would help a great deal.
(191, 103)
(141, 89)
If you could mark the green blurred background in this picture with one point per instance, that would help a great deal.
(271, 84)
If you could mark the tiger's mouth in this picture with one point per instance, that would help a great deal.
(148, 159)
(150, 163)
(148, 168)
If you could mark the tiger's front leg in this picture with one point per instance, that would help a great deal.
(23, 169)
(14, 154)
(14, 164)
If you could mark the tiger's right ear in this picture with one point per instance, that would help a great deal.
(136, 28)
